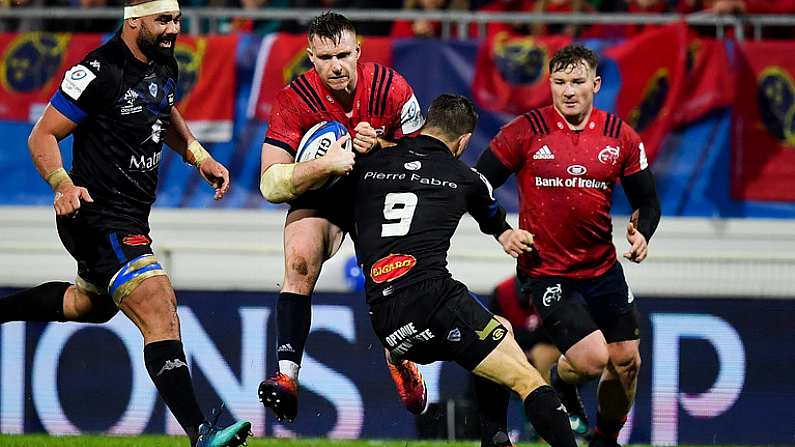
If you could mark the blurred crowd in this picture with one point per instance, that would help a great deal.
(416, 28)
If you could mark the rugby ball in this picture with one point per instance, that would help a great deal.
(317, 141)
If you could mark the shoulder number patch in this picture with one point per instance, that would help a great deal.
(76, 80)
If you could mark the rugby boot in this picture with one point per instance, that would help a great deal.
(410, 384)
(570, 397)
(211, 435)
(500, 439)
(280, 393)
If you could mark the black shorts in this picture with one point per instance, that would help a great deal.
(436, 320)
(108, 262)
(573, 308)
(330, 204)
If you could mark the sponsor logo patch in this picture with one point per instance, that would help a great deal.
(391, 267)
(544, 154)
(553, 293)
(454, 335)
(576, 170)
(134, 240)
(411, 119)
(76, 81)
(413, 165)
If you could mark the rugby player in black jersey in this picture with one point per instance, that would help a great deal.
(406, 204)
(118, 103)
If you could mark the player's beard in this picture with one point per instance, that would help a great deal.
(150, 45)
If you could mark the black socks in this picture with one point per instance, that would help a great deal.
(41, 303)
(165, 361)
(549, 417)
(293, 319)
(492, 400)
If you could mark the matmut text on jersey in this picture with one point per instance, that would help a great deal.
(566, 180)
(122, 108)
(382, 98)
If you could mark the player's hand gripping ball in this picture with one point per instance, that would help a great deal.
(318, 140)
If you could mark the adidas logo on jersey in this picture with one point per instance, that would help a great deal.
(544, 154)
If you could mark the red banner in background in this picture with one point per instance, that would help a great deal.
(511, 73)
(652, 69)
(206, 89)
(764, 122)
(33, 65)
(282, 58)
(710, 80)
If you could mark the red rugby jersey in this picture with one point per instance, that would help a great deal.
(382, 98)
(566, 180)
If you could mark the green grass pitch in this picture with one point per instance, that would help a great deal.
(173, 441)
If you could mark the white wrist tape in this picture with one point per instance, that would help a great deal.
(276, 184)
(199, 153)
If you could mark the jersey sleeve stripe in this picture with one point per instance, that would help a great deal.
(607, 124)
(294, 86)
(618, 127)
(532, 124)
(280, 144)
(308, 87)
(372, 89)
(540, 118)
(380, 90)
(68, 108)
(537, 122)
(386, 92)
(613, 126)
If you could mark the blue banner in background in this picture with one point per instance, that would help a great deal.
(710, 373)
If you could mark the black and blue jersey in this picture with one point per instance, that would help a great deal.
(407, 202)
(122, 108)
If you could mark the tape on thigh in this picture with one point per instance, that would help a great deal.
(134, 272)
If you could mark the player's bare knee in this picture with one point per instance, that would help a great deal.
(303, 268)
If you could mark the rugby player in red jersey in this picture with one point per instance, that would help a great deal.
(567, 158)
(373, 102)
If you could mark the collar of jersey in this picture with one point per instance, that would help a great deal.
(429, 143)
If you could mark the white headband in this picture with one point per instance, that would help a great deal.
(150, 8)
